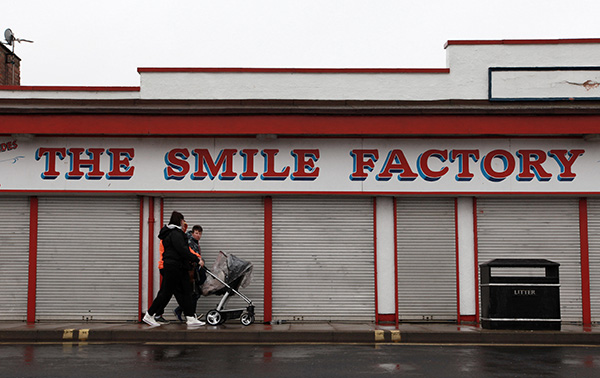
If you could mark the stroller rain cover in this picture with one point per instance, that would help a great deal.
(229, 268)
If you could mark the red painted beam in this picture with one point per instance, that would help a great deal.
(32, 274)
(409, 125)
(268, 253)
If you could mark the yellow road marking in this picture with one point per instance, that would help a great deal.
(68, 334)
(84, 334)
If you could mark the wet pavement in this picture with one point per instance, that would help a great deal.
(235, 333)
(296, 360)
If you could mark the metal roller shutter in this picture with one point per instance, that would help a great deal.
(88, 258)
(543, 228)
(232, 225)
(594, 252)
(323, 258)
(14, 254)
(426, 244)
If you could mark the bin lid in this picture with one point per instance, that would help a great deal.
(520, 263)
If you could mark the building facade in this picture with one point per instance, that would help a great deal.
(358, 194)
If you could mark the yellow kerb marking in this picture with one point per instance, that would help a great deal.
(395, 336)
(379, 335)
(68, 334)
(83, 334)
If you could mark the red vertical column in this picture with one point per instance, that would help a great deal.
(151, 222)
(377, 320)
(395, 210)
(476, 251)
(457, 257)
(268, 236)
(140, 259)
(32, 281)
(585, 262)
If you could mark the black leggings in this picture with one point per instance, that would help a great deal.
(174, 282)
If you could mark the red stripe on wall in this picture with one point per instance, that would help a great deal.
(396, 258)
(268, 235)
(140, 259)
(387, 318)
(151, 222)
(476, 260)
(585, 262)
(458, 317)
(293, 70)
(298, 125)
(32, 280)
(377, 315)
(66, 88)
(523, 41)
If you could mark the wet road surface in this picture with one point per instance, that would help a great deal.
(318, 360)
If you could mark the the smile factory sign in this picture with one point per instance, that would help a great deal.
(292, 165)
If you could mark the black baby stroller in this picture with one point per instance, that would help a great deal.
(228, 274)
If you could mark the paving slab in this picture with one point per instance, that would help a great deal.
(321, 332)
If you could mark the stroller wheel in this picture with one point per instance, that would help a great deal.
(247, 319)
(214, 317)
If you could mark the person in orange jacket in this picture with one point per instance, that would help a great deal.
(199, 276)
(176, 260)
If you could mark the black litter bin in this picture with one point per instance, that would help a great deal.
(515, 299)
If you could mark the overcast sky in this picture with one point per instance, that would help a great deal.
(104, 42)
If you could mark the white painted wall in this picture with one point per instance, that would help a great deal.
(466, 257)
(386, 263)
(468, 78)
(291, 85)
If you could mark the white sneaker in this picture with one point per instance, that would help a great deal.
(192, 321)
(149, 319)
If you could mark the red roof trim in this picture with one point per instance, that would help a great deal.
(523, 41)
(300, 125)
(66, 88)
(296, 70)
(301, 192)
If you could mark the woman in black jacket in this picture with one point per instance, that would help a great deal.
(177, 261)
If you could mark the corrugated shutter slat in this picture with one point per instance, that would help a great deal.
(594, 254)
(426, 243)
(14, 257)
(232, 225)
(545, 228)
(323, 258)
(88, 258)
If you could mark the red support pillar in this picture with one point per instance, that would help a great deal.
(140, 259)
(32, 280)
(456, 261)
(151, 222)
(377, 316)
(268, 236)
(477, 320)
(585, 263)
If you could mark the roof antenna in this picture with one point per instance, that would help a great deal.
(10, 38)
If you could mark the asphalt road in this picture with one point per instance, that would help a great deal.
(318, 360)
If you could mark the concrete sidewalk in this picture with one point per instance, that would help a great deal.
(290, 333)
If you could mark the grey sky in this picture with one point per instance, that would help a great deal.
(103, 42)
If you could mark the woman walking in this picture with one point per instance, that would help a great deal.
(177, 261)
